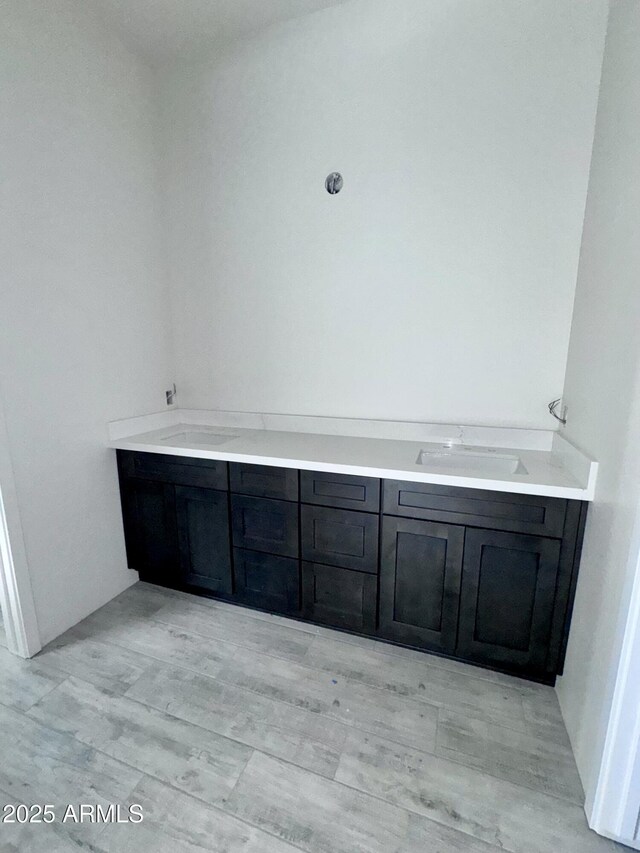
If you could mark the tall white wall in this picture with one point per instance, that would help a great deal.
(439, 284)
(84, 334)
(603, 394)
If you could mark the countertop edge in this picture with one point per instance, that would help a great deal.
(486, 484)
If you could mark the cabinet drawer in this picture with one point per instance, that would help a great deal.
(180, 470)
(339, 597)
(261, 524)
(267, 581)
(340, 537)
(264, 481)
(476, 507)
(340, 490)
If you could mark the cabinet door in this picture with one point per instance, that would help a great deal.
(508, 592)
(204, 538)
(340, 537)
(339, 597)
(420, 582)
(267, 581)
(149, 515)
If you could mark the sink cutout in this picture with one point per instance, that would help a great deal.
(471, 460)
(187, 438)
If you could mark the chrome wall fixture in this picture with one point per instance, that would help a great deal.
(553, 410)
(334, 183)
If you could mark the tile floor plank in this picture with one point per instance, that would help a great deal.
(352, 703)
(157, 640)
(23, 838)
(176, 823)
(543, 716)
(214, 604)
(194, 760)
(313, 813)
(46, 838)
(514, 756)
(41, 765)
(236, 627)
(498, 812)
(102, 664)
(143, 599)
(306, 739)
(415, 678)
(23, 682)
(428, 836)
(319, 815)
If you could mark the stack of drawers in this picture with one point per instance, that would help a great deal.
(329, 521)
(266, 539)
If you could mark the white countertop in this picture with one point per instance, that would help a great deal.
(560, 471)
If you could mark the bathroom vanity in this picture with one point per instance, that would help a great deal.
(482, 575)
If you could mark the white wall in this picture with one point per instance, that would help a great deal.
(603, 393)
(439, 284)
(83, 302)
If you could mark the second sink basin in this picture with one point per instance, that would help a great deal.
(471, 460)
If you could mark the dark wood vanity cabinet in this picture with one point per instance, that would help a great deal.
(486, 577)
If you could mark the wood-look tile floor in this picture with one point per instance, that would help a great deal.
(240, 732)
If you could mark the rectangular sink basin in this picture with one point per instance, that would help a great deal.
(187, 438)
(471, 460)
